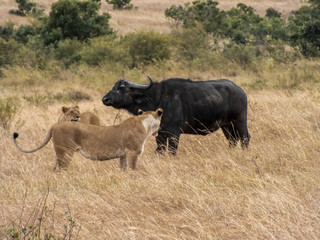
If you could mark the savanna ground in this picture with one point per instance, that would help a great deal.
(208, 191)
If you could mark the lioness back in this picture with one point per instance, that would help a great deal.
(90, 118)
(73, 114)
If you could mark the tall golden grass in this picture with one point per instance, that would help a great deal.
(209, 191)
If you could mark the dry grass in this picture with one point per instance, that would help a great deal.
(208, 191)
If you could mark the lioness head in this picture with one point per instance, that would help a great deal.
(151, 120)
(70, 114)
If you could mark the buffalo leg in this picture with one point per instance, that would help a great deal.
(231, 135)
(243, 133)
(123, 162)
(161, 143)
(173, 144)
(244, 138)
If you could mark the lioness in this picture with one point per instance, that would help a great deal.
(73, 114)
(124, 141)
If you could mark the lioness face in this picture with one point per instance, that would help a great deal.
(70, 114)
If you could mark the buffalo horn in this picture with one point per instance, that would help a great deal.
(141, 86)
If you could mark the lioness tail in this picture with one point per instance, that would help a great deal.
(46, 140)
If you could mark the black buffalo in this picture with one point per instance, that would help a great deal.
(192, 107)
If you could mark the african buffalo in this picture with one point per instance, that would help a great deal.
(192, 107)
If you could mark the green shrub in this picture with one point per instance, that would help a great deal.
(8, 109)
(272, 13)
(177, 13)
(69, 51)
(120, 4)
(192, 43)
(6, 30)
(14, 53)
(147, 47)
(280, 52)
(10, 52)
(23, 33)
(240, 54)
(24, 7)
(106, 50)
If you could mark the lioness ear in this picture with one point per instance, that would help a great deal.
(140, 112)
(65, 109)
(76, 107)
(159, 112)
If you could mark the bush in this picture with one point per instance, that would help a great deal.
(177, 14)
(106, 50)
(147, 47)
(9, 52)
(272, 13)
(240, 54)
(24, 7)
(7, 30)
(23, 33)
(14, 53)
(69, 51)
(192, 43)
(120, 4)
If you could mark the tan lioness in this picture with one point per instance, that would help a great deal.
(125, 141)
(73, 114)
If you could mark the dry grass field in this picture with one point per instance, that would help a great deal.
(208, 191)
(270, 191)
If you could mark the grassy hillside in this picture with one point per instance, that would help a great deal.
(149, 14)
(208, 191)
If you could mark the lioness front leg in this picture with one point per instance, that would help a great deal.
(63, 158)
(132, 157)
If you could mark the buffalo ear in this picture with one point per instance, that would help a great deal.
(140, 112)
(159, 112)
(65, 109)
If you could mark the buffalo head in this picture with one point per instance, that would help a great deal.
(127, 95)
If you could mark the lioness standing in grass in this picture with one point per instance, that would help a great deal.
(125, 141)
(73, 114)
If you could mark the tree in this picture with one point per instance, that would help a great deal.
(304, 29)
(177, 14)
(272, 13)
(77, 19)
(120, 4)
(26, 7)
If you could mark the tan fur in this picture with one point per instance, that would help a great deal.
(124, 141)
(73, 114)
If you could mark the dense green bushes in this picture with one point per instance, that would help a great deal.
(106, 50)
(243, 26)
(74, 33)
(147, 47)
